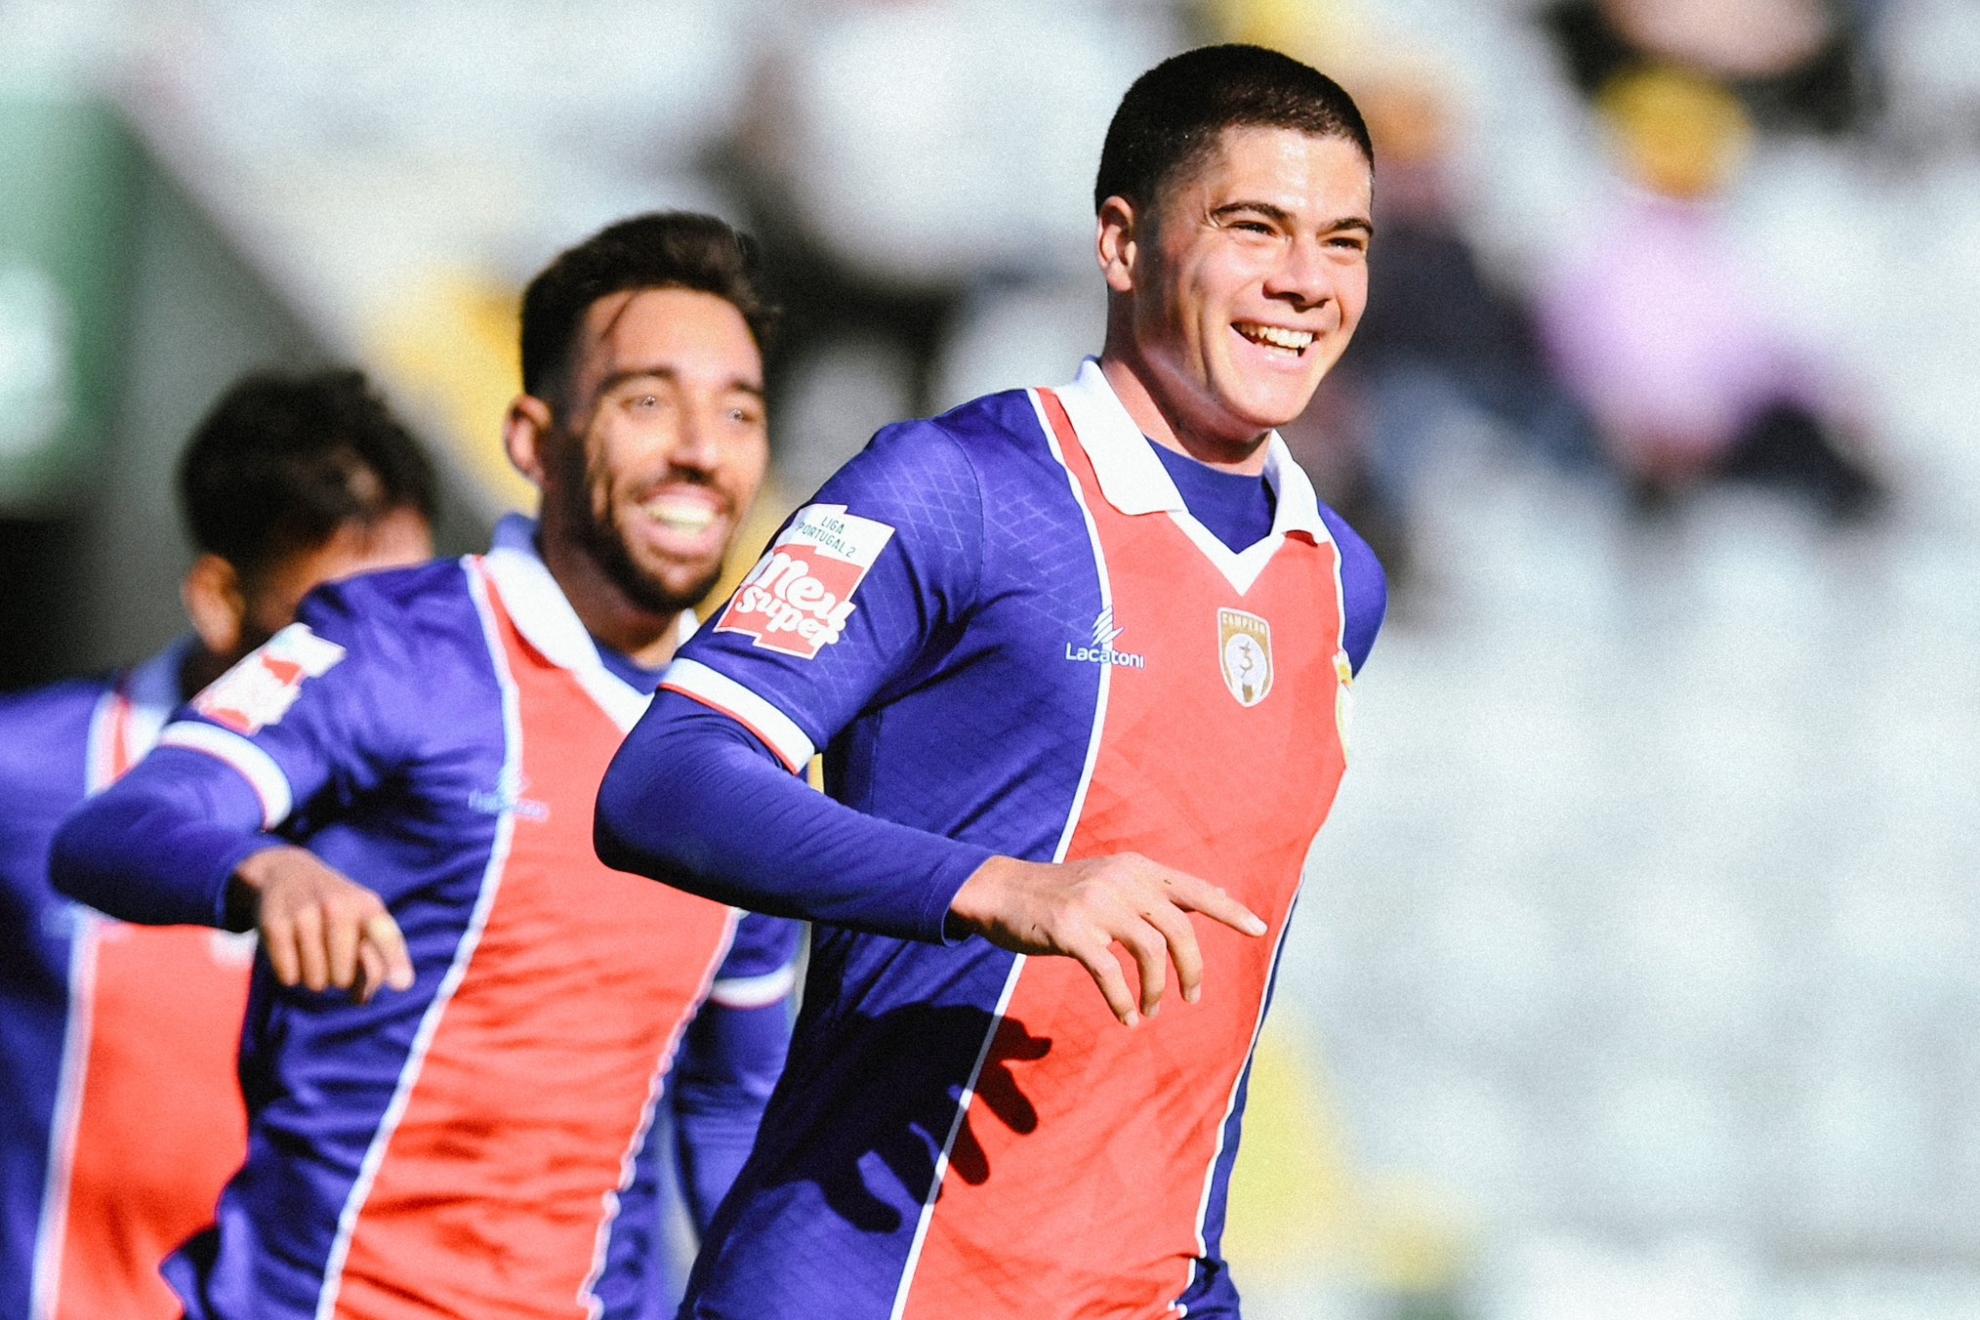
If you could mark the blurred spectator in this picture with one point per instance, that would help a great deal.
(1663, 328)
(1441, 341)
(1795, 63)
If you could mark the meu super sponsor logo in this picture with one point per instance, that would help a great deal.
(260, 689)
(1101, 650)
(798, 597)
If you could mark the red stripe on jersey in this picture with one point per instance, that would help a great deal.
(161, 1126)
(1077, 1185)
(498, 1184)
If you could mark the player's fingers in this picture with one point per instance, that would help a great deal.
(1151, 958)
(383, 934)
(1182, 949)
(341, 930)
(1191, 894)
(1098, 960)
(308, 920)
(278, 940)
(370, 973)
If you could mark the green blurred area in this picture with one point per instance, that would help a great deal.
(68, 189)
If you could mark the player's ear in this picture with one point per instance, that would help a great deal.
(1117, 241)
(525, 434)
(216, 604)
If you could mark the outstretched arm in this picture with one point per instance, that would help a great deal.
(695, 800)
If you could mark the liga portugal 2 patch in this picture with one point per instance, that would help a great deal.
(798, 597)
(1244, 649)
(260, 689)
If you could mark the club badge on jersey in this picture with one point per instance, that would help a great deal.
(798, 597)
(1244, 644)
(259, 690)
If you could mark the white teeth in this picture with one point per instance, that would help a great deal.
(681, 515)
(1296, 340)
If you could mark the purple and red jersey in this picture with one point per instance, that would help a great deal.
(1010, 635)
(120, 1115)
(482, 1144)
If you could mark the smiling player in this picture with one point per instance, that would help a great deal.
(399, 788)
(1079, 660)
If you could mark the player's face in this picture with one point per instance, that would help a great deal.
(269, 600)
(1252, 280)
(667, 442)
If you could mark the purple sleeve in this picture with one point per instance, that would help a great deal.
(158, 846)
(728, 1065)
(838, 615)
(312, 718)
(694, 799)
(1364, 589)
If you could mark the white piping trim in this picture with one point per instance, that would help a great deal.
(51, 1234)
(100, 752)
(754, 991)
(251, 762)
(778, 731)
(656, 1087)
(1078, 807)
(913, 1261)
(429, 1025)
(1230, 1101)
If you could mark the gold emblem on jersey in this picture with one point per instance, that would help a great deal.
(1244, 651)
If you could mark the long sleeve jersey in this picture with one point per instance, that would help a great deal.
(120, 1114)
(482, 1143)
(1010, 635)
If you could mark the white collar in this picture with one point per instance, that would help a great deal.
(1134, 481)
(543, 614)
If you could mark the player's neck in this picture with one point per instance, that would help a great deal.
(1139, 390)
(602, 606)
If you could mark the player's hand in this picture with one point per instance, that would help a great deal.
(321, 929)
(1082, 909)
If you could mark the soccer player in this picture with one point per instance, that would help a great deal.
(120, 1111)
(1080, 660)
(462, 1022)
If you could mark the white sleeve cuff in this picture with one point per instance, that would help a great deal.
(253, 764)
(754, 991)
(778, 731)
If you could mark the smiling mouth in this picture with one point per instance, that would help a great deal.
(680, 514)
(1295, 342)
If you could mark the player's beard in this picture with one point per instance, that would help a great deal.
(606, 544)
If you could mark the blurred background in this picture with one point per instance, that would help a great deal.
(1638, 974)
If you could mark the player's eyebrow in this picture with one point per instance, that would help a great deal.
(1281, 216)
(617, 378)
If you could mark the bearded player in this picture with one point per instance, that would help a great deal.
(1080, 661)
(463, 1025)
(120, 1111)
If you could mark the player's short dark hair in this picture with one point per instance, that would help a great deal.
(283, 461)
(1173, 115)
(660, 250)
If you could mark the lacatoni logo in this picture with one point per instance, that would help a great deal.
(260, 689)
(1102, 651)
(798, 597)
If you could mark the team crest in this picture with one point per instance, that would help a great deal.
(260, 689)
(1244, 649)
(798, 597)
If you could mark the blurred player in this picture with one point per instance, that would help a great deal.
(400, 786)
(1067, 651)
(120, 1111)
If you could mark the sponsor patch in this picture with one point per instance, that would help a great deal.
(798, 597)
(1244, 649)
(260, 689)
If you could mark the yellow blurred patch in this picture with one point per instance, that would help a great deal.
(1299, 1214)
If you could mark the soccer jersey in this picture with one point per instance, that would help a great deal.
(480, 1144)
(120, 1114)
(1006, 629)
